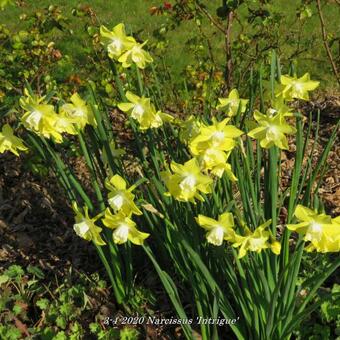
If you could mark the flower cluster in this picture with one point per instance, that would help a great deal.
(121, 202)
(125, 49)
(273, 125)
(187, 181)
(212, 146)
(144, 112)
(320, 230)
(224, 229)
(41, 118)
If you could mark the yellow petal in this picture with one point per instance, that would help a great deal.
(137, 237)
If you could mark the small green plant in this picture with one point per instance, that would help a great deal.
(65, 310)
(324, 323)
(17, 289)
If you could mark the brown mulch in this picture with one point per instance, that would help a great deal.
(329, 108)
(36, 222)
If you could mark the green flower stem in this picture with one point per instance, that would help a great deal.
(90, 165)
(117, 80)
(139, 80)
(273, 192)
(273, 185)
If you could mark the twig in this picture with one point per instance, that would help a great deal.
(324, 38)
(227, 35)
(210, 17)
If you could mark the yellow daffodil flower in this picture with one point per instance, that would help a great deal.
(66, 124)
(215, 161)
(212, 157)
(124, 228)
(232, 103)
(137, 106)
(218, 135)
(136, 55)
(271, 130)
(9, 142)
(218, 230)
(320, 230)
(116, 41)
(85, 226)
(256, 241)
(40, 117)
(296, 88)
(78, 111)
(187, 181)
(210, 144)
(120, 198)
(221, 168)
(142, 110)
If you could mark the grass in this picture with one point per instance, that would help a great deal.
(136, 16)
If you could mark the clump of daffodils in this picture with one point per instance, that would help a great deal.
(125, 49)
(118, 216)
(186, 181)
(121, 202)
(212, 146)
(42, 119)
(224, 229)
(143, 111)
(320, 230)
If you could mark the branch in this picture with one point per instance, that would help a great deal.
(324, 38)
(227, 36)
(210, 17)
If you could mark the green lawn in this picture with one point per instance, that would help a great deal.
(136, 16)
